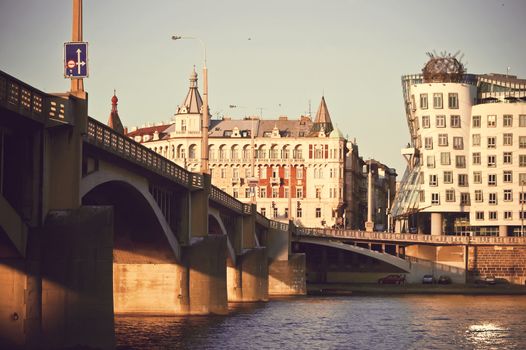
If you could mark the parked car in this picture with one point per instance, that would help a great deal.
(444, 279)
(392, 279)
(428, 279)
(487, 280)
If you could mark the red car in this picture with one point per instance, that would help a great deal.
(392, 279)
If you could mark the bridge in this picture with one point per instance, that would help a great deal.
(93, 224)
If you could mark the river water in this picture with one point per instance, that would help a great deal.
(351, 322)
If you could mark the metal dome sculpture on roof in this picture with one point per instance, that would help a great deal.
(443, 68)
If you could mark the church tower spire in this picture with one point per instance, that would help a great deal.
(114, 121)
(323, 119)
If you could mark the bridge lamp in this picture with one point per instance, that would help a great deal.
(205, 116)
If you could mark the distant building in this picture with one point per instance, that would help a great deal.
(296, 167)
(467, 154)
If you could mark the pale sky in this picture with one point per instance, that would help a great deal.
(275, 54)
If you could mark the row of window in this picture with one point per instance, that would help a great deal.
(478, 194)
(447, 178)
(492, 121)
(440, 121)
(460, 160)
(452, 98)
(491, 141)
(299, 212)
(443, 141)
(493, 215)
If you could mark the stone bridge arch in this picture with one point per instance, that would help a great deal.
(216, 226)
(110, 175)
(384, 257)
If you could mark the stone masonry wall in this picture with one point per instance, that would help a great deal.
(287, 277)
(508, 262)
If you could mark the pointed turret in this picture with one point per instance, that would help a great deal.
(192, 103)
(114, 121)
(323, 119)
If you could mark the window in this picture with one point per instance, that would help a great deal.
(299, 192)
(522, 160)
(522, 179)
(442, 139)
(422, 195)
(458, 142)
(437, 100)
(508, 196)
(464, 198)
(450, 195)
(479, 215)
(475, 140)
(318, 192)
(507, 121)
(507, 139)
(453, 100)
(492, 198)
(492, 142)
(263, 192)
(460, 161)
(506, 158)
(445, 159)
(425, 122)
(448, 177)
(507, 177)
(318, 212)
(433, 180)
(435, 198)
(492, 121)
(263, 173)
(286, 173)
(223, 173)
(492, 179)
(235, 173)
(235, 192)
(492, 162)
(440, 121)
(299, 173)
(522, 141)
(275, 212)
(522, 120)
(455, 121)
(475, 121)
(431, 161)
(477, 177)
(275, 192)
(478, 196)
(247, 192)
(299, 212)
(428, 141)
(508, 215)
(492, 215)
(522, 197)
(463, 180)
(263, 211)
(286, 193)
(423, 101)
(476, 158)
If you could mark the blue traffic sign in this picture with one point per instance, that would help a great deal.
(76, 60)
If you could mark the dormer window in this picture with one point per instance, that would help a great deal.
(267, 134)
(227, 133)
(138, 138)
(146, 138)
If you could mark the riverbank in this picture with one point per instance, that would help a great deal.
(371, 288)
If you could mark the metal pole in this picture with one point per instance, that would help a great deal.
(77, 85)
(204, 127)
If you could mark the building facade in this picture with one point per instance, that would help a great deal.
(467, 154)
(291, 169)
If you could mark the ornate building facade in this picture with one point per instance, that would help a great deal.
(302, 169)
(467, 154)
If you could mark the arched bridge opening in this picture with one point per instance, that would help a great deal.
(337, 262)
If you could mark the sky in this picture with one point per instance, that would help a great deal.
(272, 57)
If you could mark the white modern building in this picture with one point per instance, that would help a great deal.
(467, 154)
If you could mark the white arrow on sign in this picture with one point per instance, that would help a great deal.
(79, 62)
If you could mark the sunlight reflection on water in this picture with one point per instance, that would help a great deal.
(357, 322)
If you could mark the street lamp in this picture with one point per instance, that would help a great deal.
(205, 117)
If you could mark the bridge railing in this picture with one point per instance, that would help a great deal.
(225, 199)
(410, 237)
(107, 138)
